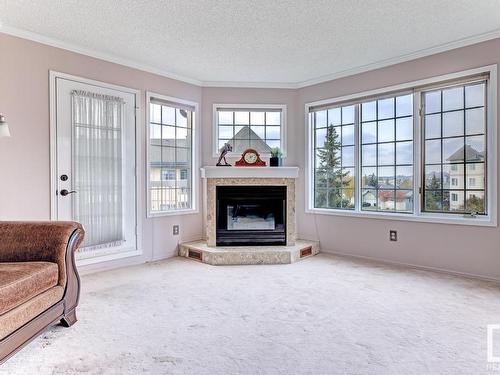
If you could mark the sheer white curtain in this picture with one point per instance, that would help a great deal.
(97, 167)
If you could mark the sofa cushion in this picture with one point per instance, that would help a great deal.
(16, 318)
(21, 281)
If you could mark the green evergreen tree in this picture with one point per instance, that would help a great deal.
(330, 178)
(433, 195)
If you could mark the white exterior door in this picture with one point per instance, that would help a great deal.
(95, 165)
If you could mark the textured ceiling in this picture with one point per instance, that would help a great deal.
(253, 41)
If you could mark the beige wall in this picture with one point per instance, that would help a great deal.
(24, 158)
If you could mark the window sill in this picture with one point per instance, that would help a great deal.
(190, 211)
(486, 221)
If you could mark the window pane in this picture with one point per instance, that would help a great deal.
(474, 121)
(257, 118)
(259, 130)
(348, 198)
(273, 118)
(320, 137)
(225, 117)
(386, 108)
(273, 143)
(433, 126)
(474, 95)
(404, 200)
(369, 199)
(182, 135)
(386, 131)
(453, 176)
(404, 177)
(404, 153)
(475, 176)
(386, 178)
(155, 113)
(432, 101)
(155, 133)
(167, 115)
(453, 124)
(433, 177)
(225, 132)
(334, 116)
(348, 156)
(454, 200)
(320, 119)
(453, 98)
(274, 132)
(404, 129)
(181, 117)
(433, 151)
(386, 154)
(433, 201)
(404, 105)
(241, 118)
(369, 177)
(369, 111)
(369, 155)
(168, 133)
(386, 200)
(348, 135)
(348, 115)
(475, 150)
(475, 202)
(369, 132)
(453, 150)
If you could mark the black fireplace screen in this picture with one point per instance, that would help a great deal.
(251, 215)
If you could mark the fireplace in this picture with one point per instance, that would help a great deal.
(251, 215)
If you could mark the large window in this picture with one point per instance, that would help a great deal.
(170, 154)
(419, 151)
(260, 127)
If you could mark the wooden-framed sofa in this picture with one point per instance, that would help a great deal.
(39, 282)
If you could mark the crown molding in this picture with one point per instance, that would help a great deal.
(235, 84)
(35, 37)
(403, 58)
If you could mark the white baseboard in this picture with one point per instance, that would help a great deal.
(99, 265)
(414, 266)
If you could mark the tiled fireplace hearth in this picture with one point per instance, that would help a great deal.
(250, 217)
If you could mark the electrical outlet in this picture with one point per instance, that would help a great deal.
(176, 230)
(393, 235)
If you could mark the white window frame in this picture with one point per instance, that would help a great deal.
(194, 155)
(444, 218)
(250, 108)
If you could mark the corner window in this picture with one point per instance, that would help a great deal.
(170, 155)
(260, 127)
(417, 152)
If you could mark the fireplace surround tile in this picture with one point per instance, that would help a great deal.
(212, 183)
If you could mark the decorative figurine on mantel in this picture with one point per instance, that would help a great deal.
(223, 151)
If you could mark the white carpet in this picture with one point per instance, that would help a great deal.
(323, 315)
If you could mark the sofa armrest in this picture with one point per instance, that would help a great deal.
(40, 241)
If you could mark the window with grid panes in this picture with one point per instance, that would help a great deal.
(170, 156)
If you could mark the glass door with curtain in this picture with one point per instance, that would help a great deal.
(96, 165)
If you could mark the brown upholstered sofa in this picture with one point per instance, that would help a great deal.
(39, 283)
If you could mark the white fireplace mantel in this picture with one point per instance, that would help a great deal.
(249, 172)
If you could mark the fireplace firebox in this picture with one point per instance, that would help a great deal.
(250, 215)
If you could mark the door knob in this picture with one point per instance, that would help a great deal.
(65, 192)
